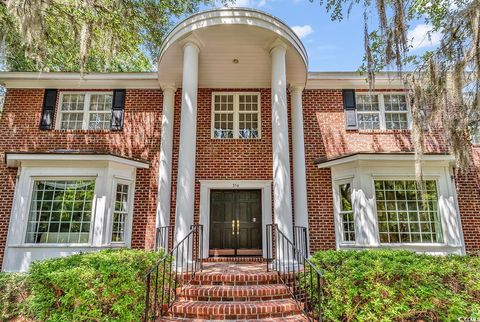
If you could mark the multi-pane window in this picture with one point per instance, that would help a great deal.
(120, 213)
(236, 116)
(407, 213)
(382, 111)
(85, 111)
(368, 112)
(346, 212)
(396, 113)
(60, 211)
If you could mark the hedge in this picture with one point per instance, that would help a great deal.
(99, 286)
(387, 285)
(14, 295)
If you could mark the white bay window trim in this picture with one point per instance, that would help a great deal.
(106, 170)
(128, 220)
(85, 111)
(363, 169)
(382, 112)
(236, 114)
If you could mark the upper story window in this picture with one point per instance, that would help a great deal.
(236, 116)
(85, 111)
(382, 112)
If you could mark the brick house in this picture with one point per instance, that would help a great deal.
(233, 132)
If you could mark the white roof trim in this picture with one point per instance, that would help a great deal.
(149, 80)
(14, 160)
(353, 80)
(76, 81)
(385, 157)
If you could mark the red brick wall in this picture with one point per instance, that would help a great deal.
(224, 159)
(19, 131)
(325, 136)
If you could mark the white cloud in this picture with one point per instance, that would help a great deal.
(303, 31)
(419, 37)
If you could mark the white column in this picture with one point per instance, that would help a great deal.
(298, 148)
(281, 158)
(188, 132)
(165, 163)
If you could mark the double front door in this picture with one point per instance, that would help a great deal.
(235, 223)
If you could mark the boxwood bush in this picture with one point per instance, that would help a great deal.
(387, 285)
(100, 286)
(14, 295)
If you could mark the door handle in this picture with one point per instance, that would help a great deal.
(233, 227)
(238, 227)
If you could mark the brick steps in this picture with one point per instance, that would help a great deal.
(234, 310)
(235, 293)
(231, 290)
(220, 278)
(234, 260)
(291, 318)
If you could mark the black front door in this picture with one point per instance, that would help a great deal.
(235, 222)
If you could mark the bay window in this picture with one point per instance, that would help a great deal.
(346, 212)
(120, 212)
(60, 211)
(406, 214)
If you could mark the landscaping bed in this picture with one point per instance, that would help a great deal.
(386, 285)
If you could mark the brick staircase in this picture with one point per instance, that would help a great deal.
(235, 289)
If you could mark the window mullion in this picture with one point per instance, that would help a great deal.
(236, 108)
(86, 115)
(381, 105)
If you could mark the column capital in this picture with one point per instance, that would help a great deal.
(168, 88)
(278, 45)
(295, 88)
(192, 41)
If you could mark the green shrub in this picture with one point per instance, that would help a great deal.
(100, 286)
(385, 285)
(14, 295)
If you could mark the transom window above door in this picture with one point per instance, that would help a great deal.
(85, 111)
(236, 116)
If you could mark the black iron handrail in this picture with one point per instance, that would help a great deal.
(295, 270)
(164, 238)
(300, 239)
(172, 273)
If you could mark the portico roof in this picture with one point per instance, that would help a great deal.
(234, 47)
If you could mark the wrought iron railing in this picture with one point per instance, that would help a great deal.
(295, 270)
(300, 239)
(164, 238)
(173, 273)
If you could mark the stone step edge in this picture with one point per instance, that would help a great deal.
(234, 310)
(232, 293)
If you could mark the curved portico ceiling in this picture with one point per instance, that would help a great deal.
(228, 34)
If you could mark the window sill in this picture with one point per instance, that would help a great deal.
(113, 245)
(86, 131)
(405, 246)
(380, 131)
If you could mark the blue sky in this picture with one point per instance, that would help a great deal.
(331, 46)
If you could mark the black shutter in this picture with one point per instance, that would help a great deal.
(350, 107)
(118, 108)
(48, 109)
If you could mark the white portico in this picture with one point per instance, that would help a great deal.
(233, 49)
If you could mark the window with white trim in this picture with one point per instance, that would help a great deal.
(382, 111)
(406, 214)
(85, 111)
(120, 213)
(60, 211)
(346, 212)
(236, 115)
